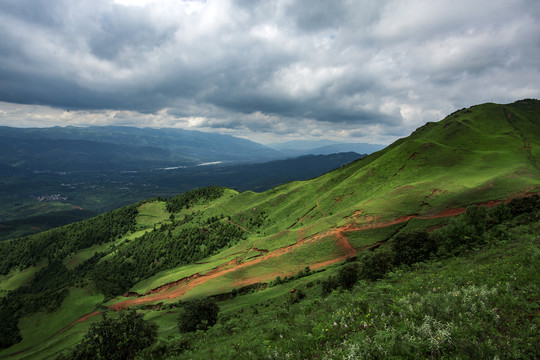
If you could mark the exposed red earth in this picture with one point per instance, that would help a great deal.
(84, 318)
(178, 288)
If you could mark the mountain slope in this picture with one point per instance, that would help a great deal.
(211, 241)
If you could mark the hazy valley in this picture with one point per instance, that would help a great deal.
(54, 176)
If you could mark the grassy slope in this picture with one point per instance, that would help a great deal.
(471, 157)
(39, 330)
(481, 305)
(487, 152)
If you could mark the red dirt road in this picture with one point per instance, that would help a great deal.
(84, 318)
(179, 288)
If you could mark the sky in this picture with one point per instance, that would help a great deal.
(265, 70)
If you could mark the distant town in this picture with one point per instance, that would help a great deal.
(50, 197)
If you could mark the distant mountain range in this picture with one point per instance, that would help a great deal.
(323, 147)
(113, 147)
(129, 148)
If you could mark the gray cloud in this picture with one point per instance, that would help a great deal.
(364, 70)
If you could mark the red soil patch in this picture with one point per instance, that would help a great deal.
(492, 203)
(179, 288)
(84, 318)
(445, 213)
(300, 235)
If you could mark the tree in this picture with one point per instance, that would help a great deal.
(412, 247)
(374, 264)
(348, 276)
(198, 315)
(116, 339)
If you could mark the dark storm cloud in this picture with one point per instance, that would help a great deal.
(290, 67)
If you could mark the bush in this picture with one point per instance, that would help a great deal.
(463, 232)
(116, 339)
(198, 315)
(296, 296)
(412, 247)
(374, 265)
(328, 285)
(524, 205)
(348, 276)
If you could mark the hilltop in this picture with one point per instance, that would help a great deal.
(220, 242)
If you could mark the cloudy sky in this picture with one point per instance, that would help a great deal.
(267, 70)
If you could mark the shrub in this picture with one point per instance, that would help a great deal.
(328, 285)
(348, 276)
(412, 247)
(463, 232)
(296, 296)
(198, 315)
(524, 205)
(374, 265)
(116, 339)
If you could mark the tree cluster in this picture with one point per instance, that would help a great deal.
(192, 197)
(198, 315)
(60, 242)
(115, 339)
(160, 250)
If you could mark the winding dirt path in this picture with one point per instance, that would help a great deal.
(180, 287)
(84, 318)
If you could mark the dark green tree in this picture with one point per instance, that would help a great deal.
(116, 339)
(412, 247)
(348, 276)
(198, 315)
(328, 285)
(374, 264)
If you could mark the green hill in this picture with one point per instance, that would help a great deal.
(218, 242)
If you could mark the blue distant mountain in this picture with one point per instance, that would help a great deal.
(119, 147)
(323, 147)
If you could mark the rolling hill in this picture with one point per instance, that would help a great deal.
(219, 242)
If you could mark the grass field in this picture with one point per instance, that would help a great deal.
(38, 328)
(18, 278)
(152, 213)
